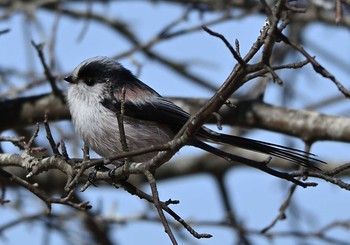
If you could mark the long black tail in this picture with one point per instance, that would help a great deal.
(294, 155)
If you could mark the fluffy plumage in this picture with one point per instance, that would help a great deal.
(149, 118)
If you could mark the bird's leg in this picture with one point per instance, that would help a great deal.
(93, 173)
(116, 166)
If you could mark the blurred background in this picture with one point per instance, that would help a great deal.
(162, 42)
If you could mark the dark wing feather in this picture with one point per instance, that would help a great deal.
(143, 103)
(158, 109)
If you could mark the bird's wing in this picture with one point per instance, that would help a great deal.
(158, 109)
(143, 103)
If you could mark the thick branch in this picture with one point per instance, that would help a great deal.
(307, 125)
(26, 111)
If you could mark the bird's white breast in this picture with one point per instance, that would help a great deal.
(98, 126)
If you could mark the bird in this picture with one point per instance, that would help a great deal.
(99, 86)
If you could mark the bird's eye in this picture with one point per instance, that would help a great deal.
(90, 82)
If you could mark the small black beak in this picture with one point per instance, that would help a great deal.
(69, 79)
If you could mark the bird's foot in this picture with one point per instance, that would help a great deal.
(92, 175)
(111, 172)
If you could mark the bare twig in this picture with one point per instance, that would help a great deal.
(86, 152)
(275, 76)
(228, 45)
(338, 11)
(64, 150)
(282, 210)
(4, 31)
(137, 170)
(120, 117)
(218, 120)
(286, 202)
(135, 191)
(316, 66)
(19, 142)
(41, 195)
(157, 205)
(49, 136)
(336, 181)
(87, 21)
(231, 216)
(47, 70)
(3, 199)
(31, 140)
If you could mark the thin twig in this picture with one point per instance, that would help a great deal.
(218, 118)
(135, 191)
(282, 210)
(51, 78)
(54, 32)
(64, 150)
(275, 76)
(230, 214)
(49, 136)
(120, 117)
(4, 31)
(87, 21)
(41, 195)
(85, 165)
(3, 199)
(31, 140)
(316, 66)
(228, 45)
(166, 29)
(156, 202)
(86, 152)
(286, 203)
(19, 142)
(338, 11)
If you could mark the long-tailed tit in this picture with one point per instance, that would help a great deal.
(95, 94)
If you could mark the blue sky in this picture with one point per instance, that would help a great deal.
(255, 195)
